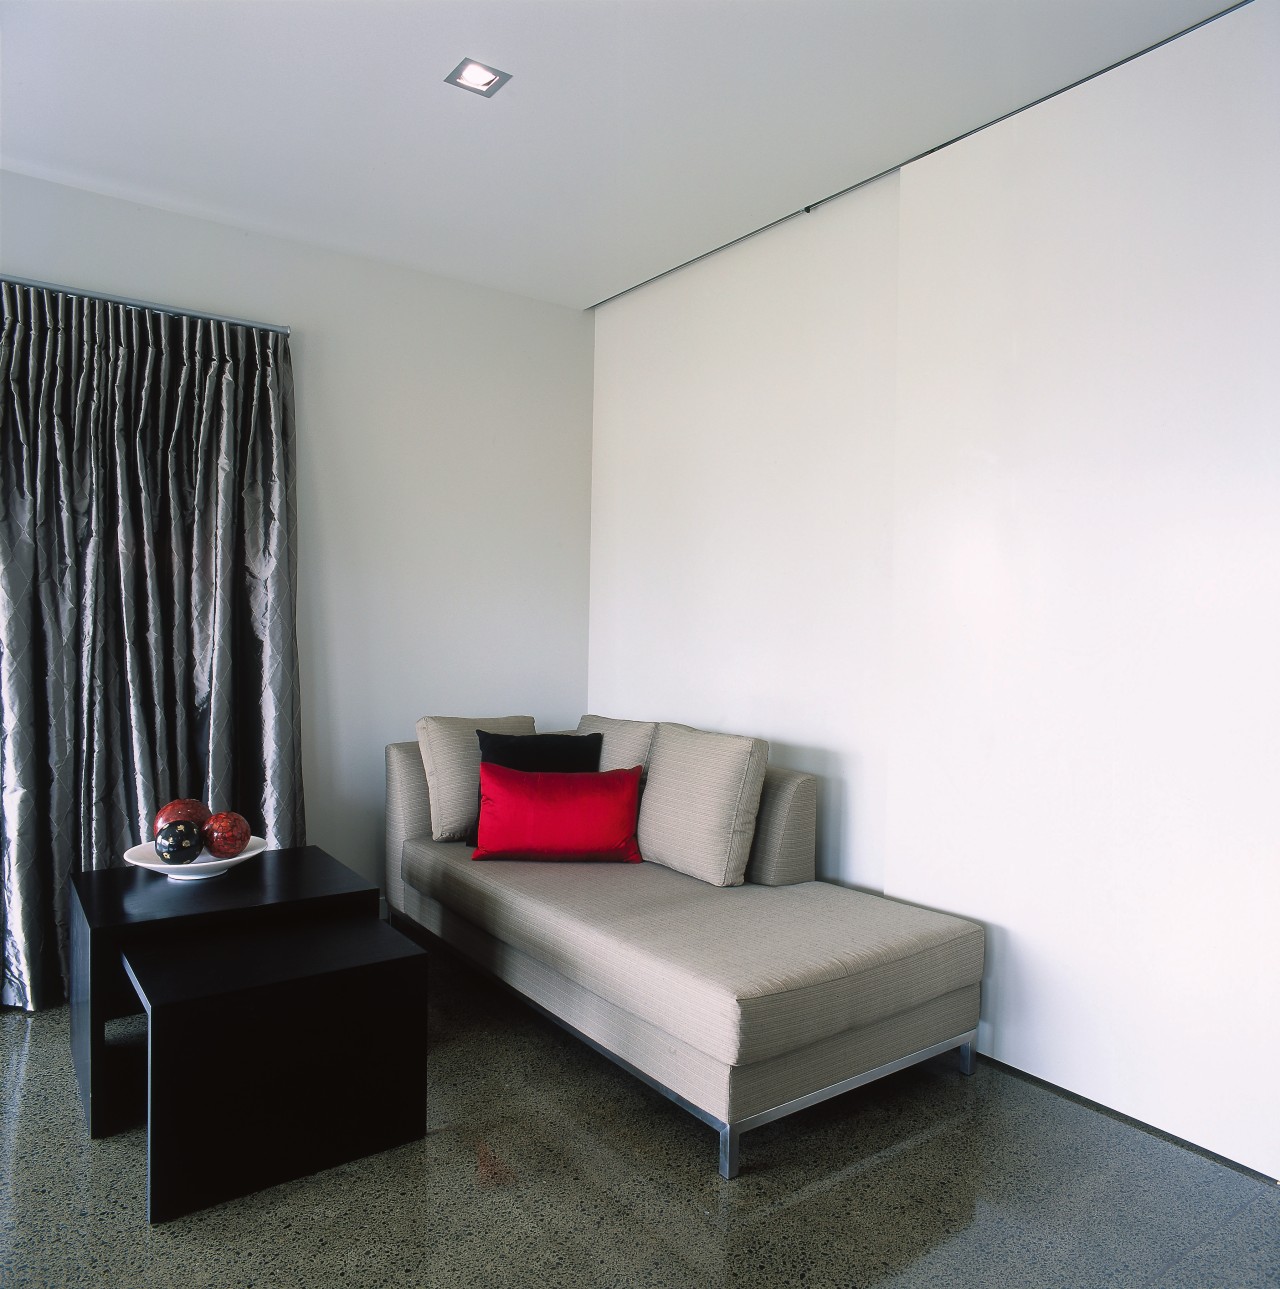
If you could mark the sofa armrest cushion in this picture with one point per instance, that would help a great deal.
(784, 850)
(698, 811)
(408, 812)
(451, 759)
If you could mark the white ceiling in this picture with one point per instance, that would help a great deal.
(633, 136)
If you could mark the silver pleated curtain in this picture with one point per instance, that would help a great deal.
(147, 587)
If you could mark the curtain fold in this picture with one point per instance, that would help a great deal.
(147, 596)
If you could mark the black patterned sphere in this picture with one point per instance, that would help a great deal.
(179, 842)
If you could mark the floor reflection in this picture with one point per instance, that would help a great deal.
(544, 1165)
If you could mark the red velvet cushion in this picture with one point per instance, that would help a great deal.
(540, 815)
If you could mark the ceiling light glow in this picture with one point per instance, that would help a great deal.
(476, 77)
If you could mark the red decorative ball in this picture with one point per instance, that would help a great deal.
(176, 811)
(226, 834)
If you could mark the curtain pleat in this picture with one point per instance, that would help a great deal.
(147, 596)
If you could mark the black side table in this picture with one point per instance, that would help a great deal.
(116, 909)
(276, 1052)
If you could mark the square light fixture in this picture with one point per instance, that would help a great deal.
(476, 77)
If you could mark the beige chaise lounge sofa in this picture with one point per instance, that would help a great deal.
(741, 1002)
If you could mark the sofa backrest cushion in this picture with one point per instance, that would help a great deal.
(451, 759)
(698, 811)
(626, 743)
(784, 849)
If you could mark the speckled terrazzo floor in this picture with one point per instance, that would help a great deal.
(546, 1166)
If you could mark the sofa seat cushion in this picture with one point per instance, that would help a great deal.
(741, 973)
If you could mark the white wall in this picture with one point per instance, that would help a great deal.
(1025, 617)
(740, 513)
(443, 476)
(1085, 747)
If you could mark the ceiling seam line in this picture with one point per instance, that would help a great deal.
(919, 156)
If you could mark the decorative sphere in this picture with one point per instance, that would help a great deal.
(179, 842)
(184, 808)
(226, 834)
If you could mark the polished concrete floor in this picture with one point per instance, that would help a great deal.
(545, 1166)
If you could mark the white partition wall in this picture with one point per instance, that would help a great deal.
(1085, 744)
(965, 492)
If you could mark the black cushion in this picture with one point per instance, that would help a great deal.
(545, 753)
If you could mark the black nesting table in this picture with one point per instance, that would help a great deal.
(277, 1052)
(285, 1022)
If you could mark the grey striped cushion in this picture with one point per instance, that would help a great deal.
(451, 758)
(698, 812)
(626, 743)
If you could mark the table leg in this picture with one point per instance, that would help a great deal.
(87, 1030)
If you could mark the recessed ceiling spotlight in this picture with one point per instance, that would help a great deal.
(476, 77)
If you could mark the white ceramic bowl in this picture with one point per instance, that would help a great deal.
(144, 856)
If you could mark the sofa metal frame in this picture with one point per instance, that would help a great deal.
(730, 1133)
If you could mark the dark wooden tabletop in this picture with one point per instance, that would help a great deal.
(220, 963)
(120, 898)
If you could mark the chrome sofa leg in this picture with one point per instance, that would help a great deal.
(966, 1057)
(728, 1151)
